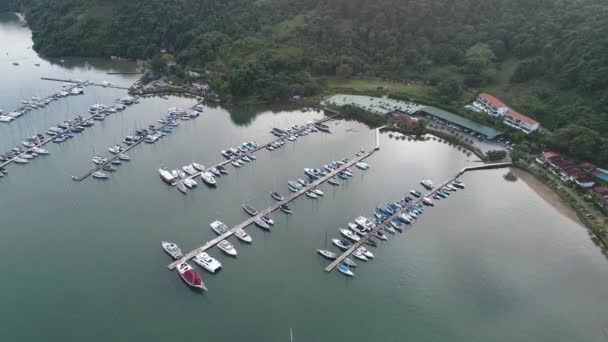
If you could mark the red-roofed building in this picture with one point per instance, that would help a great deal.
(587, 167)
(497, 108)
(567, 169)
(521, 122)
(491, 105)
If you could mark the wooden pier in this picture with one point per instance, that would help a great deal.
(80, 82)
(269, 210)
(415, 202)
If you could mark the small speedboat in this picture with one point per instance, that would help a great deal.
(342, 244)
(235, 163)
(190, 183)
(349, 234)
(190, 276)
(318, 192)
(179, 184)
(311, 194)
(350, 262)
(172, 249)
(278, 197)
(380, 235)
(362, 165)
(261, 223)
(222, 170)
(284, 208)
(250, 210)
(389, 229)
(99, 160)
(109, 168)
(242, 235)
(40, 151)
(215, 171)
(301, 181)
(116, 149)
(292, 188)
(198, 166)
(100, 175)
(345, 270)
(189, 169)
(357, 254)
(20, 160)
(218, 227)
(365, 252)
(327, 254)
(355, 228)
(268, 219)
(333, 181)
(116, 161)
(227, 247)
(416, 193)
(207, 262)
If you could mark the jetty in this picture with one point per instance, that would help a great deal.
(86, 82)
(250, 221)
(413, 203)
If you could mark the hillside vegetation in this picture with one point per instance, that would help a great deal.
(548, 58)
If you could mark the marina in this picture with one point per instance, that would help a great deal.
(245, 224)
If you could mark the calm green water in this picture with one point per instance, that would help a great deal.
(82, 261)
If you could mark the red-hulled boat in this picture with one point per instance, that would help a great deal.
(190, 276)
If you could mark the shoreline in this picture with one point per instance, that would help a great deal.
(20, 16)
(547, 194)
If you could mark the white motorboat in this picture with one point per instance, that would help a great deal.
(26, 156)
(40, 151)
(243, 236)
(227, 248)
(218, 227)
(190, 183)
(357, 254)
(166, 176)
(28, 144)
(349, 262)
(100, 175)
(20, 160)
(362, 165)
(262, 224)
(342, 244)
(172, 249)
(349, 234)
(99, 160)
(311, 194)
(268, 219)
(116, 149)
(355, 228)
(198, 166)
(235, 163)
(179, 184)
(318, 192)
(215, 171)
(207, 262)
(364, 223)
(365, 252)
(208, 178)
(189, 169)
(427, 183)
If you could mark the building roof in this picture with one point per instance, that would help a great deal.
(464, 122)
(587, 166)
(521, 117)
(492, 100)
(602, 190)
(601, 175)
(549, 154)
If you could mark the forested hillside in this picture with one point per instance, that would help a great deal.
(276, 48)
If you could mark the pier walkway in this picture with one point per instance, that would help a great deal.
(87, 83)
(269, 210)
(415, 202)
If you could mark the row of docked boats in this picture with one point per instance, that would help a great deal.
(387, 220)
(184, 178)
(35, 103)
(240, 155)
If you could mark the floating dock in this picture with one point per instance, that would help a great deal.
(415, 202)
(250, 221)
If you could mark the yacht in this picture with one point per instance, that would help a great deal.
(364, 223)
(355, 228)
(235, 163)
(124, 157)
(172, 249)
(427, 183)
(208, 178)
(380, 235)
(342, 244)
(207, 262)
(345, 270)
(40, 151)
(242, 235)
(190, 276)
(327, 254)
(218, 227)
(189, 169)
(116, 149)
(428, 201)
(250, 210)
(100, 175)
(198, 166)
(261, 223)
(180, 186)
(227, 247)
(190, 183)
(278, 197)
(349, 234)
(318, 192)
